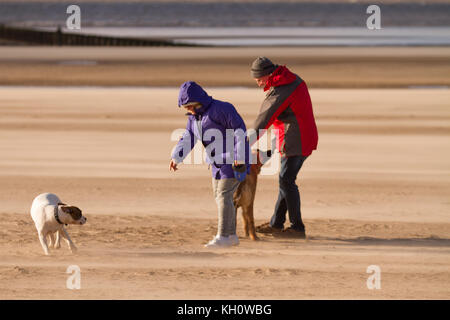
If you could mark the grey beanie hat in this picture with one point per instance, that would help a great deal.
(262, 66)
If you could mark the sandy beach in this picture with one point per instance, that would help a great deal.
(376, 192)
(330, 67)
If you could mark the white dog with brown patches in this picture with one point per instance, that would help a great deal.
(50, 215)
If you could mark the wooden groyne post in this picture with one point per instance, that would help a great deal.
(59, 38)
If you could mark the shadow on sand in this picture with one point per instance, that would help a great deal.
(367, 241)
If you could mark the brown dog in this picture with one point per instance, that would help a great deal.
(245, 195)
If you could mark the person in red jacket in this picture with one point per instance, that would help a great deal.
(288, 108)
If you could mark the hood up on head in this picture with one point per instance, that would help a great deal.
(190, 91)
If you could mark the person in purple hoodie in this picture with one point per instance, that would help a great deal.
(222, 132)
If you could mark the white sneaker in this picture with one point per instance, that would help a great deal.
(219, 242)
(234, 239)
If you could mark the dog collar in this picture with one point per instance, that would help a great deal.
(56, 215)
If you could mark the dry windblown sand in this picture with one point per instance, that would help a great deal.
(376, 192)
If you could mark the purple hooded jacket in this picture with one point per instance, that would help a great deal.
(214, 120)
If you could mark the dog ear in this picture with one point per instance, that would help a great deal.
(66, 209)
(75, 213)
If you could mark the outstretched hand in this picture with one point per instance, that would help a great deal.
(173, 165)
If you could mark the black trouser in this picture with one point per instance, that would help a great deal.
(289, 196)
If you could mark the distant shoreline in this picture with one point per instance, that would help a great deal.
(281, 36)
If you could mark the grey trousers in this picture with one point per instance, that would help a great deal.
(223, 190)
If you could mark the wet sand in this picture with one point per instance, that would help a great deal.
(321, 67)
